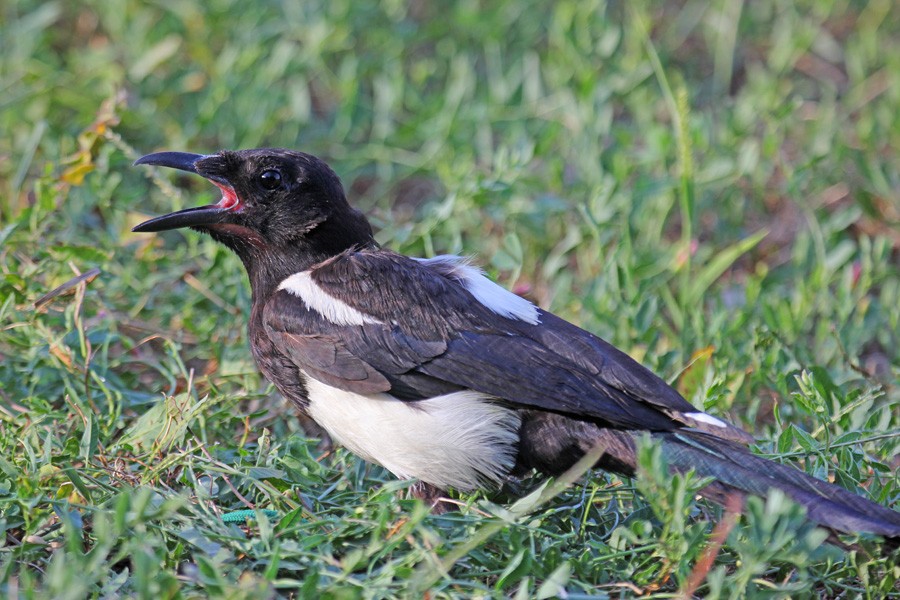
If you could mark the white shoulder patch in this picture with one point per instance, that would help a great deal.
(462, 440)
(302, 285)
(494, 297)
(702, 417)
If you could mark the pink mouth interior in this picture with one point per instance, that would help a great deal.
(229, 200)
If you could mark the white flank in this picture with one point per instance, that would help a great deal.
(702, 417)
(461, 440)
(302, 285)
(496, 298)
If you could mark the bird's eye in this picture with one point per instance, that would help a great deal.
(270, 179)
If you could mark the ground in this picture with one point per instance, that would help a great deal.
(711, 186)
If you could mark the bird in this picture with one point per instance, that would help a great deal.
(430, 369)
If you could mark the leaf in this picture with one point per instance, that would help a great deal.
(806, 441)
(63, 353)
(265, 473)
(721, 263)
(785, 442)
(511, 568)
(555, 585)
(271, 571)
(164, 424)
(6, 231)
(89, 438)
(693, 375)
(78, 482)
(155, 56)
(288, 520)
(75, 174)
(8, 468)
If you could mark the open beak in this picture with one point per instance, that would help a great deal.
(201, 216)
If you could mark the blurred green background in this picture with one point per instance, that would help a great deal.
(711, 186)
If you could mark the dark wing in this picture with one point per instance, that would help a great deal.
(426, 335)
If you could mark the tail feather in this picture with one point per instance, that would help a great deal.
(552, 443)
(735, 467)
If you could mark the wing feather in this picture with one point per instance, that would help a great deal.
(433, 336)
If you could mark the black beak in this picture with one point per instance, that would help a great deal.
(183, 161)
(189, 217)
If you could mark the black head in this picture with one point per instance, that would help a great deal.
(276, 204)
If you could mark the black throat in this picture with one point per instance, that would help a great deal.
(268, 265)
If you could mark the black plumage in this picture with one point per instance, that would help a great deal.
(395, 355)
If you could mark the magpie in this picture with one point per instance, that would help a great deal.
(430, 369)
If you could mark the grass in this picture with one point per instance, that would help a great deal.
(711, 186)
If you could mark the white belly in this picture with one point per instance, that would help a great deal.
(461, 440)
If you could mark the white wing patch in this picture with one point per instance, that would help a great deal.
(702, 417)
(302, 285)
(461, 440)
(494, 297)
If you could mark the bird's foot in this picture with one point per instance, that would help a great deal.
(432, 496)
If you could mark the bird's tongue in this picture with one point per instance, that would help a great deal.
(230, 200)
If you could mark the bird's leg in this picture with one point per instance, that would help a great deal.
(432, 496)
